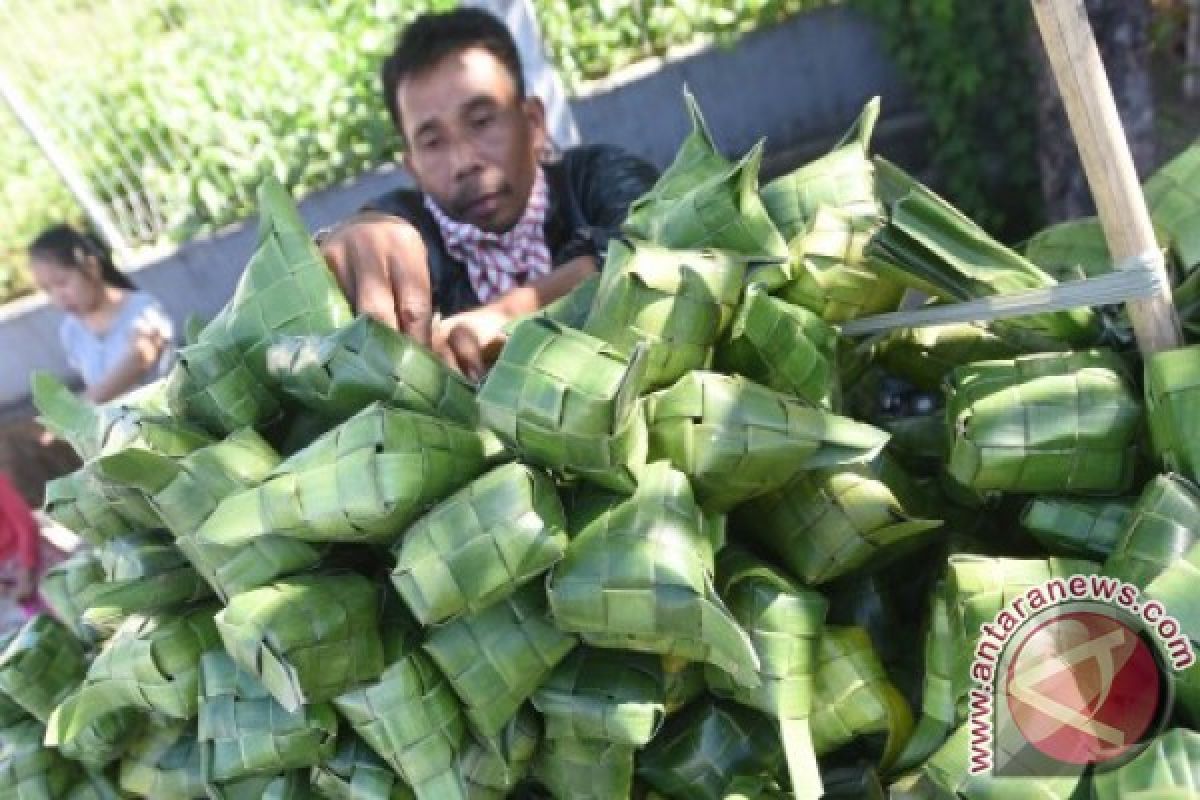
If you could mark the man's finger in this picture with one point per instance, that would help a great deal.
(468, 353)
(334, 253)
(411, 291)
(374, 296)
(443, 351)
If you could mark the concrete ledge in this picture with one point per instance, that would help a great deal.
(798, 84)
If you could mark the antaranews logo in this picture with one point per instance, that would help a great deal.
(1072, 672)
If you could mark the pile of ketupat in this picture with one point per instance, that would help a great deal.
(684, 541)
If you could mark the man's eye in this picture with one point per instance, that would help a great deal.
(430, 144)
(482, 120)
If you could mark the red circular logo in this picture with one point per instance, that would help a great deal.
(1083, 687)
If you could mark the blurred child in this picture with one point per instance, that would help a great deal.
(116, 337)
(19, 547)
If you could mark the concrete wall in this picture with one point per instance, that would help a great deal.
(799, 84)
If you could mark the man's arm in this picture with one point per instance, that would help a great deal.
(470, 341)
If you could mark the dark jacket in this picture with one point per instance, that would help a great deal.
(590, 191)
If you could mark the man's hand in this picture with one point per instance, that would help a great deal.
(381, 264)
(471, 341)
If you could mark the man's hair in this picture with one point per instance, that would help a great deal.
(433, 36)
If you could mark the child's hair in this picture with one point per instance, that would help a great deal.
(70, 248)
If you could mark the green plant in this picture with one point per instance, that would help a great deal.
(969, 63)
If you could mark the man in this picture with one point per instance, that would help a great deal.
(495, 230)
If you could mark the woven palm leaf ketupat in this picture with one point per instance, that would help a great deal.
(1077, 527)
(476, 547)
(77, 502)
(103, 740)
(929, 245)
(164, 764)
(568, 401)
(491, 769)
(41, 665)
(10, 712)
(242, 730)
(340, 373)
(784, 622)
(291, 785)
(704, 746)
(1172, 761)
(829, 271)
(143, 572)
(1071, 250)
(782, 346)
(639, 577)
(29, 770)
(184, 493)
(355, 772)
(736, 439)
(1172, 393)
(584, 769)
(828, 523)
(603, 695)
(213, 384)
(1045, 423)
(925, 356)
(854, 696)
(410, 716)
(94, 430)
(1174, 203)
(363, 482)
(66, 587)
(938, 712)
(1163, 526)
(286, 288)
(677, 302)
(843, 179)
(497, 657)
(1174, 589)
(307, 638)
(151, 664)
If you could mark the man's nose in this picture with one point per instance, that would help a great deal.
(464, 158)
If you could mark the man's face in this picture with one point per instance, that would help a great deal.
(473, 144)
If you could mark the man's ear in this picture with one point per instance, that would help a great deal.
(535, 113)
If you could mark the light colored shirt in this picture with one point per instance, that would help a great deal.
(94, 355)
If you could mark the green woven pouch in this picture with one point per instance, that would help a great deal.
(29, 771)
(134, 420)
(639, 577)
(497, 657)
(492, 768)
(701, 749)
(676, 302)
(364, 481)
(843, 179)
(164, 764)
(1077, 527)
(784, 622)
(603, 695)
(143, 572)
(1172, 761)
(1071, 250)
(782, 346)
(929, 245)
(829, 272)
(938, 714)
(356, 773)
(829, 523)
(925, 356)
(185, 492)
(1174, 203)
(499, 532)
(854, 697)
(102, 740)
(151, 664)
(409, 716)
(1172, 389)
(566, 400)
(77, 502)
(308, 638)
(1163, 526)
(339, 374)
(735, 439)
(1047, 423)
(66, 588)
(213, 385)
(574, 769)
(41, 665)
(242, 730)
